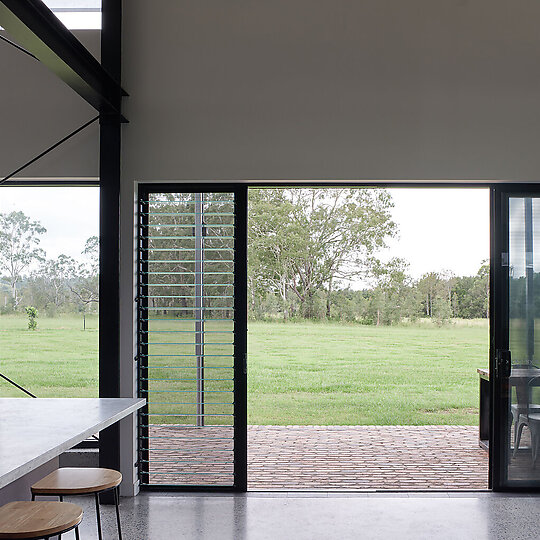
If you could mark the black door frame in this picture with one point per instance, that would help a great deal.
(499, 447)
(498, 304)
(240, 330)
(498, 294)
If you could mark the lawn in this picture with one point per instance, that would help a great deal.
(59, 359)
(351, 374)
(298, 373)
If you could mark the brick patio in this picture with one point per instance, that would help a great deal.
(331, 457)
(366, 457)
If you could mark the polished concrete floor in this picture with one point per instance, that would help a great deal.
(314, 516)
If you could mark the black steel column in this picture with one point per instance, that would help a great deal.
(109, 271)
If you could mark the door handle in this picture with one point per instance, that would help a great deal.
(503, 363)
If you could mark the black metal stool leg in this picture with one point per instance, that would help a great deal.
(116, 497)
(61, 499)
(100, 536)
(77, 533)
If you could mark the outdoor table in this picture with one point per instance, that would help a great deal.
(34, 432)
(517, 375)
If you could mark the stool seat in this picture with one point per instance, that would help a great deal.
(41, 519)
(77, 481)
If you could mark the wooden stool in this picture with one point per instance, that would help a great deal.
(81, 481)
(42, 519)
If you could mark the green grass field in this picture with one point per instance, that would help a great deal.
(350, 374)
(298, 373)
(59, 359)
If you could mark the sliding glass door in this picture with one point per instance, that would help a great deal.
(515, 354)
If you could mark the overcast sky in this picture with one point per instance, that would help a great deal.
(440, 229)
(70, 215)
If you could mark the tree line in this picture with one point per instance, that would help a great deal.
(29, 278)
(307, 245)
(436, 296)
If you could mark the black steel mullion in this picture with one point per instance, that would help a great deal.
(142, 335)
(498, 453)
(240, 339)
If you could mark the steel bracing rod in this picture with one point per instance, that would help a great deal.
(28, 393)
(50, 149)
(36, 28)
(22, 49)
(17, 385)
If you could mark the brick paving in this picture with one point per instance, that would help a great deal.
(324, 457)
(191, 455)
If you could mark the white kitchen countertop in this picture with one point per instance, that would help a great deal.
(34, 431)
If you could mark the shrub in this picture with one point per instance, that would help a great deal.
(32, 313)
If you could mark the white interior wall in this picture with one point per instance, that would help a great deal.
(36, 110)
(332, 89)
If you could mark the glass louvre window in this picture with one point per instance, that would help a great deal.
(186, 329)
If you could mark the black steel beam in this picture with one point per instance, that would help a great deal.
(35, 28)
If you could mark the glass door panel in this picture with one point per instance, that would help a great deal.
(516, 358)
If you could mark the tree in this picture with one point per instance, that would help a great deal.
(483, 284)
(435, 291)
(65, 283)
(85, 281)
(19, 241)
(393, 296)
(272, 245)
(91, 251)
(307, 240)
(49, 286)
(471, 294)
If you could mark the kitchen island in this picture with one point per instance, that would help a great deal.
(34, 432)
